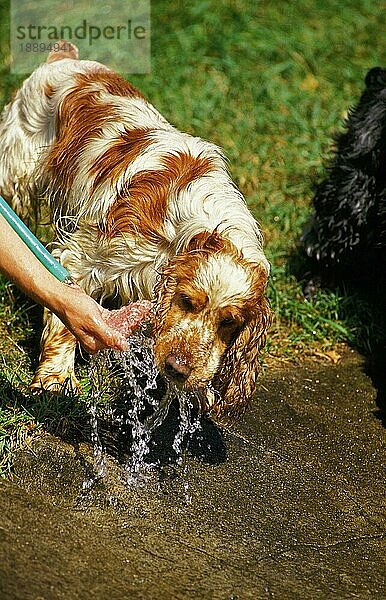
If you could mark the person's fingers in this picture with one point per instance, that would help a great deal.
(100, 336)
(116, 341)
(115, 338)
(87, 321)
(90, 346)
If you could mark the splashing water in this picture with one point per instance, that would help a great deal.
(139, 378)
(187, 428)
(134, 376)
(94, 397)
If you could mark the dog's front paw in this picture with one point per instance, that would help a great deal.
(57, 383)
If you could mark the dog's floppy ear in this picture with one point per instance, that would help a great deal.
(164, 291)
(236, 379)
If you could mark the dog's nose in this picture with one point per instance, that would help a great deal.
(177, 368)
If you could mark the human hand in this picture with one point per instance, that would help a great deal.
(85, 318)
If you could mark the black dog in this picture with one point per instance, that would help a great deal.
(347, 233)
(346, 240)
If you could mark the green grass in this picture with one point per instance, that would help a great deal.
(269, 81)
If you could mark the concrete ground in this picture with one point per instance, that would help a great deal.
(290, 503)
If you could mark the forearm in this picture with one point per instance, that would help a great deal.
(80, 313)
(19, 264)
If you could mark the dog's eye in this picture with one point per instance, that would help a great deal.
(186, 303)
(227, 322)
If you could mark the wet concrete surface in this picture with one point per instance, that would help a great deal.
(290, 505)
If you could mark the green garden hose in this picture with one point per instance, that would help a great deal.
(41, 253)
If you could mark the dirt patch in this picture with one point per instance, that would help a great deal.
(291, 504)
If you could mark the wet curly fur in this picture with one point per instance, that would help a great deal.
(347, 233)
(141, 211)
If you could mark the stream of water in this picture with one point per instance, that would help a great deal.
(134, 378)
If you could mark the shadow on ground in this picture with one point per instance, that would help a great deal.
(297, 509)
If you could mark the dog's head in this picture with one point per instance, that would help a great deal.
(211, 320)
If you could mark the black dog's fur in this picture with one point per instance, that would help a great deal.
(347, 233)
(346, 239)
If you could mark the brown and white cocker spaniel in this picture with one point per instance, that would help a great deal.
(141, 210)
